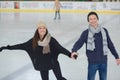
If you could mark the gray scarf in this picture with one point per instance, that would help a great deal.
(90, 42)
(45, 44)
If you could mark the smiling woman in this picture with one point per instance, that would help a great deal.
(43, 50)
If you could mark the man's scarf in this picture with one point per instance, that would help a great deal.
(90, 41)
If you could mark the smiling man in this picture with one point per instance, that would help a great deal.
(97, 42)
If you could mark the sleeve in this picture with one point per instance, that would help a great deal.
(61, 49)
(79, 43)
(22, 46)
(111, 46)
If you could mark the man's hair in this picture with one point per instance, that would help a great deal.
(92, 13)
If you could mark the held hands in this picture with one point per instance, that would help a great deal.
(74, 55)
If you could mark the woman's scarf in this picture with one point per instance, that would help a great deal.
(45, 44)
(90, 41)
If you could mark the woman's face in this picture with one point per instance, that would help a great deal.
(93, 21)
(41, 31)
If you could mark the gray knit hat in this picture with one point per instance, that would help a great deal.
(41, 24)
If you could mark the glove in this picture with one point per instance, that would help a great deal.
(1, 49)
(8, 47)
(75, 56)
(4, 47)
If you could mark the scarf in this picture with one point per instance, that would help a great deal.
(45, 44)
(90, 41)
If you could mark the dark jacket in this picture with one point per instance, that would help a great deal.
(42, 61)
(97, 55)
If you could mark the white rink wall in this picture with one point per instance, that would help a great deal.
(66, 5)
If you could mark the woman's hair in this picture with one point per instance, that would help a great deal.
(36, 37)
(92, 13)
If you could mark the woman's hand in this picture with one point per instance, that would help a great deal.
(4, 47)
(1, 49)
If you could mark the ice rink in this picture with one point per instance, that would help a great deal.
(19, 27)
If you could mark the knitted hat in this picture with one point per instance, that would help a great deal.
(41, 24)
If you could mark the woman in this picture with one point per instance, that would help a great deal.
(43, 50)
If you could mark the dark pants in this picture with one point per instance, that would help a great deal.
(57, 71)
(57, 12)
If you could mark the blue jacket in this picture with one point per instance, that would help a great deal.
(97, 55)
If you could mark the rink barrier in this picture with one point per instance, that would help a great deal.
(67, 7)
(62, 11)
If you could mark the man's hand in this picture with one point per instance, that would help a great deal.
(118, 61)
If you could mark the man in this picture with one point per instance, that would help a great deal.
(97, 42)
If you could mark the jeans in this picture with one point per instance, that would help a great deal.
(101, 68)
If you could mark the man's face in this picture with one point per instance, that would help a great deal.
(93, 21)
